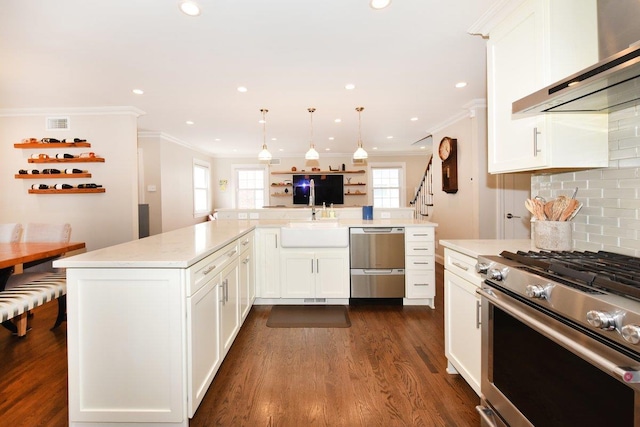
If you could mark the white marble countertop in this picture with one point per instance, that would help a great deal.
(184, 247)
(474, 248)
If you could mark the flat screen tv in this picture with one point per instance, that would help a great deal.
(328, 188)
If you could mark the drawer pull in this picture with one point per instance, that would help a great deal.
(420, 262)
(420, 284)
(209, 270)
(246, 261)
(420, 234)
(460, 266)
(245, 243)
(478, 321)
(231, 253)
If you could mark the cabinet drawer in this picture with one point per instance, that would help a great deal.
(418, 249)
(419, 262)
(462, 265)
(245, 243)
(420, 284)
(413, 234)
(204, 270)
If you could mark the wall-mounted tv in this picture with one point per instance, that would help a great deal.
(328, 188)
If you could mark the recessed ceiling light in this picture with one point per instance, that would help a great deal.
(280, 149)
(414, 119)
(262, 121)
(327, 149)
(374, 148)
(189, 122)
(138, 91)
(331, 138)
(217, 139)
(190, 7)
(390, 137)
(274, 139)
(379, 4)
(337, 120)
(423, 147)
(242, 89)
(461, 84)
(349, 86)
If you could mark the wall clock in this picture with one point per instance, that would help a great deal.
(448, 152)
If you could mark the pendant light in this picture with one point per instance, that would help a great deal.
(312, 154)
(360, 153)
(264, 154)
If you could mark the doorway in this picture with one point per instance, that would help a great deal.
(514, 221)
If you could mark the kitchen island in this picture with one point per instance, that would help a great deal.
(150, 321)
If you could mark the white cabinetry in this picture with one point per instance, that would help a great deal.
(247, 274)
(268, 262)
(538, 43)
(420, 279)
(318, 273)
(168, 331)
(462, 337)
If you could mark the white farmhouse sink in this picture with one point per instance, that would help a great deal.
(314, 234)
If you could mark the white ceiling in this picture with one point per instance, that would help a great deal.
(290, 54)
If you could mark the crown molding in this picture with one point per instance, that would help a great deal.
(496, 13)
(469, 110)
(71, 111)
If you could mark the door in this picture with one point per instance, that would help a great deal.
(298, 274)
(229, 297)
(515, 219)
(203, 342)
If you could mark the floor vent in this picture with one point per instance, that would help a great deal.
(58, 123)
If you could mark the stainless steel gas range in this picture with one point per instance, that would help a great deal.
(560, 339)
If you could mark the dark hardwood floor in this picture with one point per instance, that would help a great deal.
(387, 369)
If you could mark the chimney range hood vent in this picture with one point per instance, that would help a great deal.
(610, 85)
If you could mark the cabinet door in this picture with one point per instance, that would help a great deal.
(515, 68)
(203, 342)
(298, 274)
(268, 263)
(332, 274)
(246, 283)
(229, 296)
(462, 328)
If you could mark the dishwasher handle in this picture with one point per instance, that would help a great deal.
(377, 230)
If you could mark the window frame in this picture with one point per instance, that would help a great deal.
(206, 166)
(236, 185)
(402, 167)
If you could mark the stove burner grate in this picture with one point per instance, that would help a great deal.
(608, 271)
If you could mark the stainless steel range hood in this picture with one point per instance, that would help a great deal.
(609, 85)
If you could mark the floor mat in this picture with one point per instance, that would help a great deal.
(309, 316)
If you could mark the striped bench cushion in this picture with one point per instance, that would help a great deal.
(25, 296)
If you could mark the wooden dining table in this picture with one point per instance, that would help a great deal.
(14, 254)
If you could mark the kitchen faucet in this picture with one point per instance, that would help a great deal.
(312, 197)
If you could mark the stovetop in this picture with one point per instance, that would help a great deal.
(606, 271)
(596, 291)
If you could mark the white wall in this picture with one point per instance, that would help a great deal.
(471, 212)
(101, 219)
(168, 165)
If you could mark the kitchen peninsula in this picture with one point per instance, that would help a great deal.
(150, 321)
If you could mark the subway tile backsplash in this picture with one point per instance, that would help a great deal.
(609, 219)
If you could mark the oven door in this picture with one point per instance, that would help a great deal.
(539, 370)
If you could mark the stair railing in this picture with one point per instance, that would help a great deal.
(423, 199)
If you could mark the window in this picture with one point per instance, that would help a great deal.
(250, 185)
(201, 188)
(387, 182)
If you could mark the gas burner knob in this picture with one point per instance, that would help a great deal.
(495, 274)
(601, 320)
(536, 291)
(631, 333)
(482, 268)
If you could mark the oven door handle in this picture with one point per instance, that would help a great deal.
(626, 374)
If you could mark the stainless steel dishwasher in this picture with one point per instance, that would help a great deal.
(377, 262)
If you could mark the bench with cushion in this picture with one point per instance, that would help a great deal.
(27, 291)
